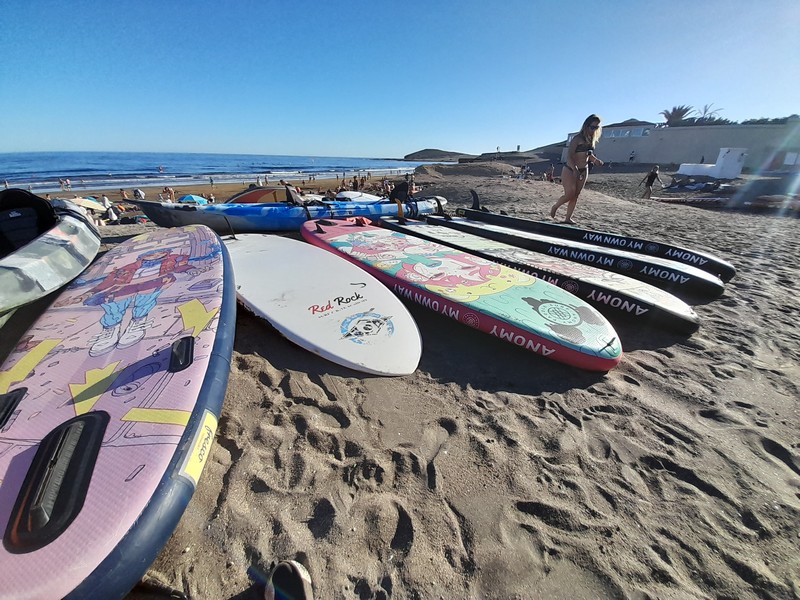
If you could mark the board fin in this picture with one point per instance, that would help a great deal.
(228, 223)
(476, 201)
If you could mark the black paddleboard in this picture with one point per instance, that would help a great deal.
(701, 260)
(682, 280)
(616, 296)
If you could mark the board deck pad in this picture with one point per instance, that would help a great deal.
(613, 294)
(492, 298)
(128, 369)
(325, 304)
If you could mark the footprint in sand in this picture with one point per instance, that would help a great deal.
(434, 438)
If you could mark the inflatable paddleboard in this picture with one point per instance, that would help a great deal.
(108, 410)
(42, 247)
(492, 298)
(324, 304)
(261, 218)
(682, 280)
(701, 260)
(614, 295)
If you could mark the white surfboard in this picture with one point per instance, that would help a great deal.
(325, 304)
(356, 196)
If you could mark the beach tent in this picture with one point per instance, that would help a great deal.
(191, 198)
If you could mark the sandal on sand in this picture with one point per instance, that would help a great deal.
(288, 580)
(569, 222)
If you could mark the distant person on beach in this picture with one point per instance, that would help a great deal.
(170, 194)
(5, 183)
(138, 194)
(123, 195)
(400, 193)
(632, 156)
(580, 153)
(648, 181)
(211, 179)
(110, 215)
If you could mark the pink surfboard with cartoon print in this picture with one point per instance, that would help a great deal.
(108, 409)
(492, 298)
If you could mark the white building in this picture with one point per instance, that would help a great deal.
(768, 147)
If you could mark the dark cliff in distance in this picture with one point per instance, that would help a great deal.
(437, 155)
(550, 153)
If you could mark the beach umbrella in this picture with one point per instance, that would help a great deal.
(193, 199)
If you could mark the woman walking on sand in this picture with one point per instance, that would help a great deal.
(649, 180)
(580, 153)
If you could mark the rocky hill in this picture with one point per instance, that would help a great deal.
(437, 155)
(549, 153)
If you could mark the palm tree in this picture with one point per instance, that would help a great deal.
(677, 114)
(708, 114)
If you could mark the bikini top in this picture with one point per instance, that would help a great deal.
(585, 147)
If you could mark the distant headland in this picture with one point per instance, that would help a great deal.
(549, 153)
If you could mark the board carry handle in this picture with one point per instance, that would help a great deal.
(56, 484)
(9, 403)
(181, 354)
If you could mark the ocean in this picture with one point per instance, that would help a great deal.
(41, 171)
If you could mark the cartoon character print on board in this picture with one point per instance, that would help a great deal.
(62, 357)
(455, 275)
(138, 283)
(466, 278)
(382, 245)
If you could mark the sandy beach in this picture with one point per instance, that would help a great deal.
(494, 473)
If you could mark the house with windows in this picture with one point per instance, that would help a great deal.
(769, 147)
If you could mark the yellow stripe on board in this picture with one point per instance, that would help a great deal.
(85, 395)
(26, 364)
(163, 416)
(195, 316)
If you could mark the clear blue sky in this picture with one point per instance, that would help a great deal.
(378, 78)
